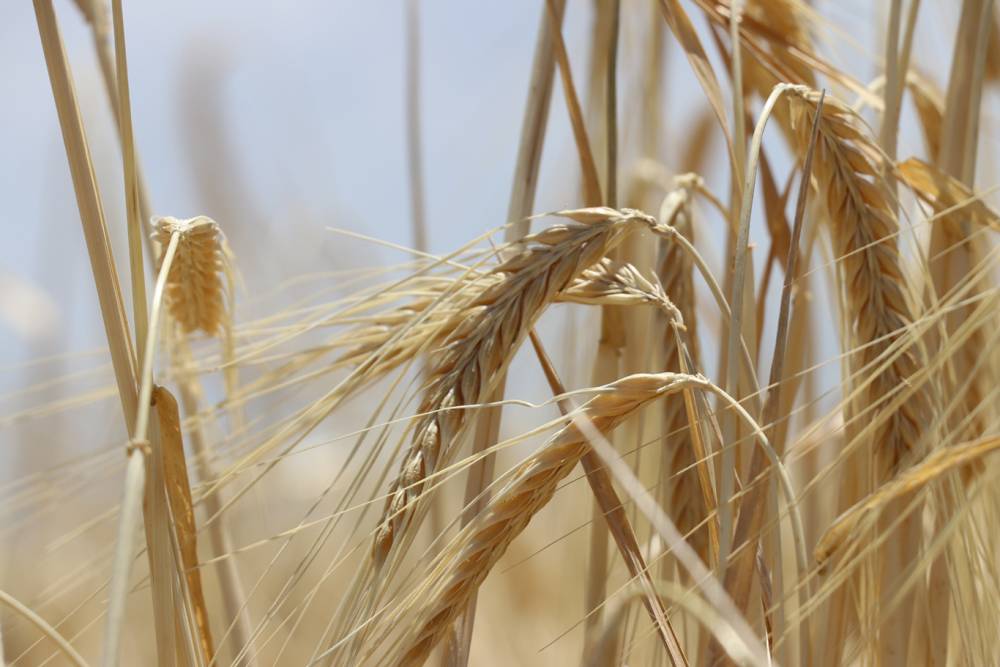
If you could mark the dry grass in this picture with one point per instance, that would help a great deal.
(365, 469)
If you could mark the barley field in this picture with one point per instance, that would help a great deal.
(551, 332)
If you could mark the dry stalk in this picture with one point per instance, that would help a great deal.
(124, 117)
(178, 490)
(747, 534)
(613, 511)
(929, 104)
(233, 597)
(91, 211)
(955, 251)
(603, 56)
(113, 314)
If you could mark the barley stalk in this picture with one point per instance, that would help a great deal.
(112, 311)
(613, 513)
(124, 117)
(178, 491)
(930, 110)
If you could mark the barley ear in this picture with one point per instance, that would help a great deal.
(195, 292)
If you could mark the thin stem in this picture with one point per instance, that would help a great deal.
(741, 253)
(971, 138)
(738, 577)
(536, 114)
(893, 91)
(611, 116)
(146, 391)
(44, 627)
(607, 361)
(135, 477)
(88, 201)
(132, 199)
(414, 153)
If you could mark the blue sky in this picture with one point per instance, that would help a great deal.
(282, 119)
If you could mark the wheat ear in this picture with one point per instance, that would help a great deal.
(786, 19)
(863, 228)
(478, 547)
(464, 565)
(197, 296)
(682, 491)
(916, 477)
(482, 341)
(195, 291)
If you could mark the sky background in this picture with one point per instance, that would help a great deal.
(282, 119)
(301, 106)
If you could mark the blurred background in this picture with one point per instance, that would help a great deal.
(284, 121)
